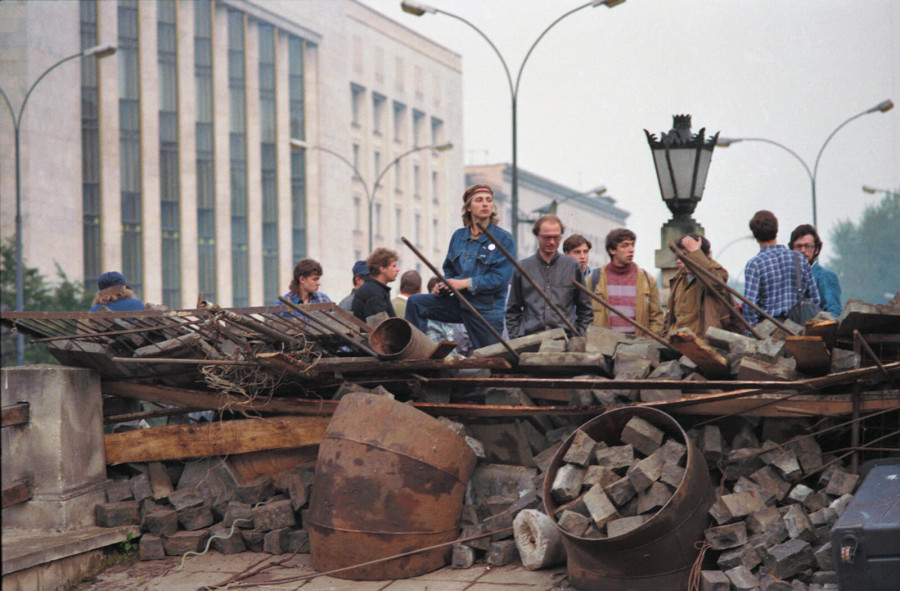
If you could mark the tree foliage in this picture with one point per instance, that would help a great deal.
(63, 295)
(866, 253)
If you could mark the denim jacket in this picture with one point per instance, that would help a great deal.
(481, 262)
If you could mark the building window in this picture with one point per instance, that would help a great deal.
(296, 53)
(169, 188)
(418, 127)
(268, 161)
(357, 214)
(357, 93)
(130, 146)
(435, 242)
(355, 159)
(398, 222)
(417, 180)
(90, 147)
(377, 216)
(398, 176)
(378, 113)
(437, 131)
(206, 168)
(399, 121)
(237, 93)
(417, 228)
(435, 189)
(376, 163)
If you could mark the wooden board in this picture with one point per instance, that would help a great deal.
(812, 355)
(827, 330)
(710, 363)
(16, 414)
(771, 405)
(219, 438)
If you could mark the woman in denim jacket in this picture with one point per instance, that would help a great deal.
(476, 268)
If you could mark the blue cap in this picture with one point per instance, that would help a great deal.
(110, 279)
(360, 268)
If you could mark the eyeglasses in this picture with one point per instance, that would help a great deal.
(804, 246)
(550, 237)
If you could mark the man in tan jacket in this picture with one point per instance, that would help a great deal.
(626, 287)
(690, 303)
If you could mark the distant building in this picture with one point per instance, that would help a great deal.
(171, 161)
(589, 215)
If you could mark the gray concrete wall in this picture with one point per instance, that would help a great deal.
(61, 446)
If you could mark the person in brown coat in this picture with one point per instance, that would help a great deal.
(690, 304)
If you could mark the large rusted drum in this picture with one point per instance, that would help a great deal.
(389, 479)
(657, 555)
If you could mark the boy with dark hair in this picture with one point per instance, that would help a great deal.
(374, 295)
(304, 287)
(690, 304)
(806, 240)
(579, 248)
(625, 286)
(770, 277)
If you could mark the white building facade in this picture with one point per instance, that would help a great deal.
(171, 161)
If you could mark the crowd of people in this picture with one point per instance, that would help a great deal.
(486, 294)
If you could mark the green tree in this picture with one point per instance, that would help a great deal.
(40, 295)
(865, 260)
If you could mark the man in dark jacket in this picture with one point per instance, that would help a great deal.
(374, 295)
(527, 312)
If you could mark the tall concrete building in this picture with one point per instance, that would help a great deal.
(585, 213)
(171, 160)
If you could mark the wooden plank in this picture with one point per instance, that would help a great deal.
(710, 363)
(175, 442)
(827, 330)
(770, 405)
(812, 355)
(19, 492)
(443, 349)
(16, 414)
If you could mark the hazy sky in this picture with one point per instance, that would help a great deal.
(786, 70)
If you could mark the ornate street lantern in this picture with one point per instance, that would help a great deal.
(682, 163)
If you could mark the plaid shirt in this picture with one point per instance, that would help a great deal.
(314, 298)
(770, 282)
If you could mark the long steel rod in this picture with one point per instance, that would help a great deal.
(462, 299)
(622, 315)
(512, 259)
(710, 281)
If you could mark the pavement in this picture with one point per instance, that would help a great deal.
(272, 572)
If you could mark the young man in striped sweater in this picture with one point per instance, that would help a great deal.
(626, 287)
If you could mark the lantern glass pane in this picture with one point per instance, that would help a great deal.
(662, 172)
(683, 168)
(702, 171)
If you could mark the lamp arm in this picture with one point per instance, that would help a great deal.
(345, 161)
(393, 162)
(836, 129)
(512, 91)
(41, 77)
(9, 106)
(786, 149)
(538, 40)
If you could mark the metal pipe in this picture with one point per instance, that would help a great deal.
(622, 315)
(534, 284)
(462, 299)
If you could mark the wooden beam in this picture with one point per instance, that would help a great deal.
(175, 442)
(710, 363)
(811, 353)
(19, 492)
(770, 405)
(16, 414)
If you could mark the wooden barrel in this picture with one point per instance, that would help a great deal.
(389, 479)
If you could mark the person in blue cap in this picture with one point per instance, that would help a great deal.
(360, 272)
(115, 295)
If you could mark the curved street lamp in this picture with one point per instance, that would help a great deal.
(418, 9)
(299, 144)
(882, 107)
(98, 51)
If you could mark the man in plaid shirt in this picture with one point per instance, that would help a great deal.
(770, 277)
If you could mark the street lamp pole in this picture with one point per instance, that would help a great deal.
(418, 9)
(881, 107)
(298, 144)
(98, 51)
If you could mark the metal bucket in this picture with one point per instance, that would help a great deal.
(657, 555)
(395, 338)
(389, 479)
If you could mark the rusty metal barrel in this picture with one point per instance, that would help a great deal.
(395, 338)
(389, 479)
(657, 555)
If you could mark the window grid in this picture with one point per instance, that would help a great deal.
(296, 49)
(130, 146)
(206, 170)
(268, 161)
(240, 263)
(90, 147)
(169, 188)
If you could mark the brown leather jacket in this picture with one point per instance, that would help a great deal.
(690, 306)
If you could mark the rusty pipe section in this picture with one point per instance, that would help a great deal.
(395, 338)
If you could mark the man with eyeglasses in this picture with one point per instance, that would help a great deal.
(527, 312)
(805, 239)
(626, 287)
